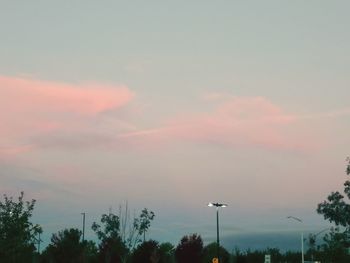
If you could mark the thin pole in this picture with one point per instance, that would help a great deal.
(302, 237)
(39, 240)
(83, 226)
(302, 247)
(217, 233)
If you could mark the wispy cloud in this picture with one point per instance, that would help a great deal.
(12, 151)
(32, 108)
(42, 114)
(234, 122)
(21, 94)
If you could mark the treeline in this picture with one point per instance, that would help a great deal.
(122, 239)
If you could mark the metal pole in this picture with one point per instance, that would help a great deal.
(302, 247)
(217, 233)
(302, 237)
(39, 240)
(83, 226)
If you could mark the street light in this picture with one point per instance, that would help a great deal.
(217, 205)
(83, 214)
(314, 236)
(302, 236)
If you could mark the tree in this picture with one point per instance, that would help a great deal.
(147, 252)
(166, 251)
(111, 247)
(65, 247)
(190, 249)
(335, 208)
(17, 233)
(145, 222)
(90, 252)
(137, 228)
(292, 257)
(210, 251)
(336, 246)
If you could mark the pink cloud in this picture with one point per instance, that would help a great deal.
(236, 121)
(47, 114)
(30, 108)
(21, 94)
(13, 151)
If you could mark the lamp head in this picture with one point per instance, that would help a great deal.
(217, 205)
(295, 218)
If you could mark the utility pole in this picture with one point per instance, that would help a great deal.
(217, 234)
(83, 214)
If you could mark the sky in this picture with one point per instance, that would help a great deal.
(172, 104)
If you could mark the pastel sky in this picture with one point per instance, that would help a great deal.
(172, 104)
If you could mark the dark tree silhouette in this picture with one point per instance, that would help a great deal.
(210, 252)
(166, 251)
(65, 247)
(335, 208)
(190, 249)
(145, 222)
(133, 229)
(111, 247)
(17, 233)
(335, 246)
(147, 252)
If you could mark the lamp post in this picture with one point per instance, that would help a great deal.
(83, 214)
(217, 205)
(314, 236)
(302, 236)
(39, 241)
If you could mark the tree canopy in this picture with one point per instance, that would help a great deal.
(111, 248)
(190, 249)
(147, 252)
(17, 232)
(210, 252)
(65, 247)
(336, 208)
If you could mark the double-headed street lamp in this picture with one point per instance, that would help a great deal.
(217, 205)
(302, 236)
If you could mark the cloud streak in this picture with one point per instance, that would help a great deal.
(31, 108)
(42, 114)
(234, 122)
(21, 94)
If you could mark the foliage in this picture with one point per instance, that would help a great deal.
(166, 251)
(144, 222)
(17, 233)
(137, 228)
(190, 249)
(118, 235)
(66, 247)
(111, 247)
(336, 246)
(110, 229)
(147, 252)
(210, 252)
(335, 208)
(257, 256)
(90, 252)
(292, 257)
